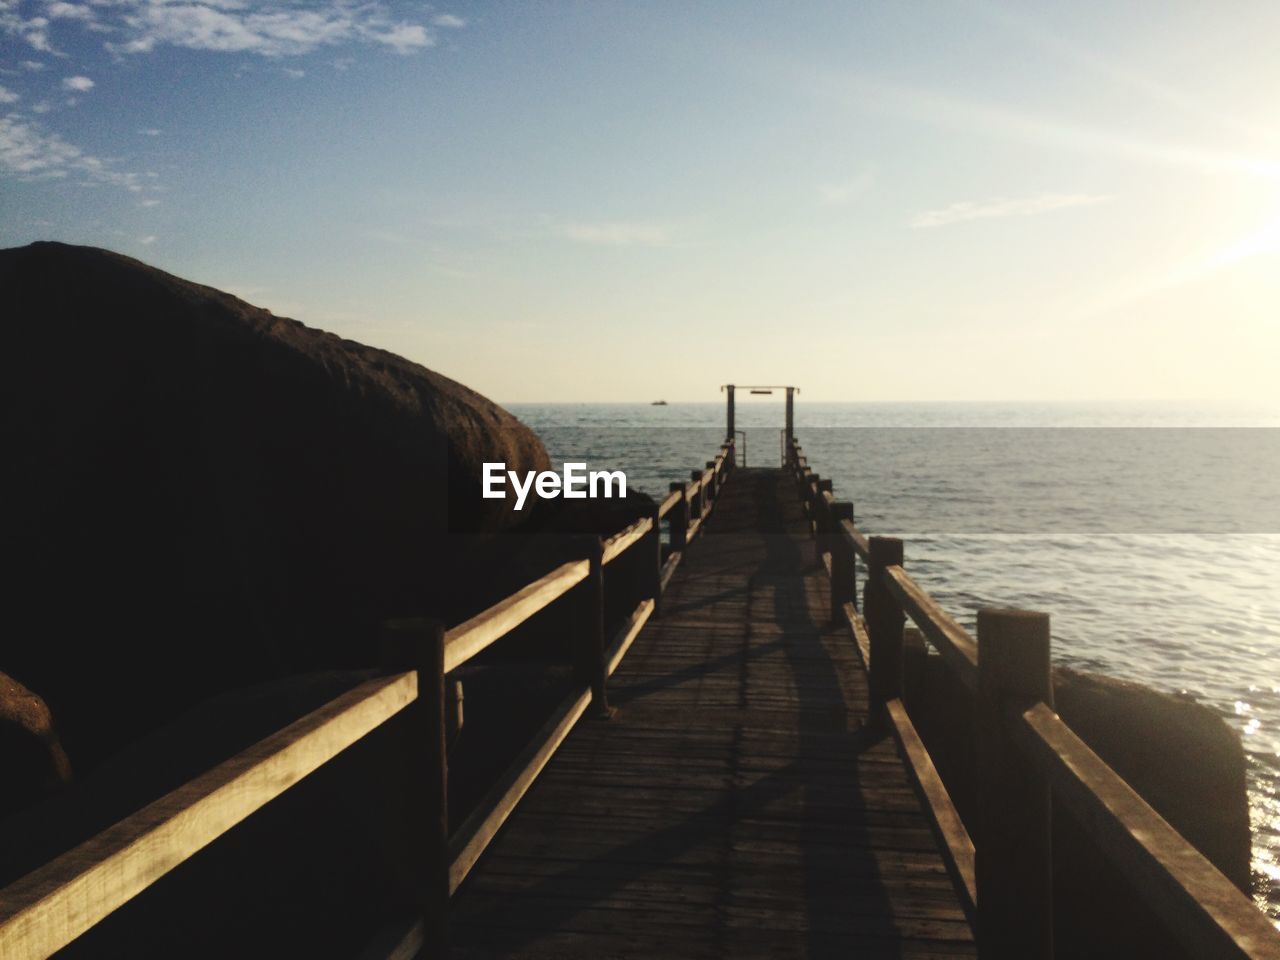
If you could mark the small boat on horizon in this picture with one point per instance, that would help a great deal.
(658, 403)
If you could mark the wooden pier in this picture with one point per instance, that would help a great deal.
(732, 773)
(735, 803)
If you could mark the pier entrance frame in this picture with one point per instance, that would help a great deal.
(788, 432)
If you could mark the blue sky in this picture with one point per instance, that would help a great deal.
(599, 201)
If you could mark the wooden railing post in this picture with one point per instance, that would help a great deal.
(821, 520)
(885, 622)
(696, 501)
(678, 519)
(1014, 855)
(653, 584)
(418, 645)
(714, 483)
(593, 668)
(844, 589)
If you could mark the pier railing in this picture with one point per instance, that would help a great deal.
(1026, 757)
(49, 908)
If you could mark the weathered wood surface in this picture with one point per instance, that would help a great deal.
(735, 804)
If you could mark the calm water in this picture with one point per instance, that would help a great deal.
(1150, 533)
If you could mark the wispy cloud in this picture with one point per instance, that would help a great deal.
(68, 11)
(847, 191)
(265, 28)
(29, 151)
(147, 240)
(78, 84)
(449, 21)
(149, 132)
(34, 31)
(1000, 208)
(619, 233)
(8, 96)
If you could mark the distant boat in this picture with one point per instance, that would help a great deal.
(658, 403)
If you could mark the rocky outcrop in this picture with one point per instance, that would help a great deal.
(1179, 755)
(31, 755)
(199, 495)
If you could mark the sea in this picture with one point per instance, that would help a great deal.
(1150, 532)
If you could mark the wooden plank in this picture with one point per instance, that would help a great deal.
(1200, 906)
(953, 839)
(617, 544)
(479, 829)
(736, 792)
(861, 640)
(627, 634)
(464, 641)
(669, 569)
(861, 545)
(951, 640)
(47, 909)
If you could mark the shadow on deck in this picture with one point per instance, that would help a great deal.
(735, 804)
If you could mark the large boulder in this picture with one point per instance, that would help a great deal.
(199, 495)
(1179, 755)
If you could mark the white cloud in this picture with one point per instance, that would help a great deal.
(269, 28)
(33, 30)
(999, 208)
(28, 151)
(449, 21)
(149, 132)
(150, 202)
(293, 73)
(78, 84)
(619, 233)
(32, 65)
(147, 240)
(68, 11)
(8, 96)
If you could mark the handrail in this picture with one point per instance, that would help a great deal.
(469, 638)
(953, 839)
(617, 544)
(958, 648)
(674, 497)
(1199, 905)
(48, 908)
(478, 830)
(856, 539)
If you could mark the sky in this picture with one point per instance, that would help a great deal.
(620, 202)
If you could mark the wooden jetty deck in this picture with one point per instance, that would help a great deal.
(759, 788)
(736, 803)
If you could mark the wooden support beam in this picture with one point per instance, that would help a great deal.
(678, 518)
(844, 587)
(419, 645)
(592, 667)
(885, 622)
(1015, 865)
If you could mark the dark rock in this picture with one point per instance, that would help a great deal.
(33, 760)
(1180, 756)
(199, 495)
